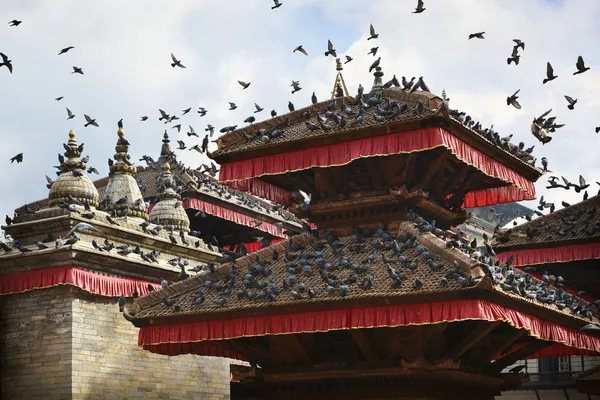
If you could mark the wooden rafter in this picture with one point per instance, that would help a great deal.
(466, 343)
(364, 344)
(508, 360)
(375, 175)
(498, 347)
(433, 168)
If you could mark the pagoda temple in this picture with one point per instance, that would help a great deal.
(381, 301)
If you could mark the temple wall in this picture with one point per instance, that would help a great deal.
(107, 363)
(36, 344)
(62, 343)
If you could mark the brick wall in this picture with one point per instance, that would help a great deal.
(35, 344)
(62, 343)
(107, 363)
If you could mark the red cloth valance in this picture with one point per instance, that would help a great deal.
(68, 275)
(560, 254)
(394, 143)
(255, 246)
(233, 216)
(262, 189)
(168, 338)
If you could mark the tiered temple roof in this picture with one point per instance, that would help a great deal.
(375, 301)
(418, 147)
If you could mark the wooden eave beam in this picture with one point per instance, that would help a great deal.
(508, 360)
(434, 167)
(500, 346)
(336, 206)
(366, 370)
(369, 219)
(364, 344)
(375, 174)
(435, 209)
(471, 340)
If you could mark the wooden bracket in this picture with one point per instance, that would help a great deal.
(294, 346)
(434, 167)
(499, 347)
(364, 344)
(508, 360)
(323, 181)
(471, 340)
(248, 352)
(409, 168)
(374, 173)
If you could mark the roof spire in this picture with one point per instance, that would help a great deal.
(339, 86)
(378, 81)
(72, 182)
(122, 164)
(166, 154)
(169, 211)
(122, 184)
(445, 98)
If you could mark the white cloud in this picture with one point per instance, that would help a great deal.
(124, 49)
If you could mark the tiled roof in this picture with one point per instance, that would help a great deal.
(592, 374)
(183, 293)
(453, 272)
(212, 191)
(296, 130)
(571, 224)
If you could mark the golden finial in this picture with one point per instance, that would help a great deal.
(339, 86)
(71, 134)
(167, 168)
(121, 132)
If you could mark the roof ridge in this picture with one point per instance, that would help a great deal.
(467, 264)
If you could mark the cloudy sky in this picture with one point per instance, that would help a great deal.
(124, 49)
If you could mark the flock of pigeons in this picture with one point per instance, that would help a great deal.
(404, 259)
(540, 128)
(376, 244)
